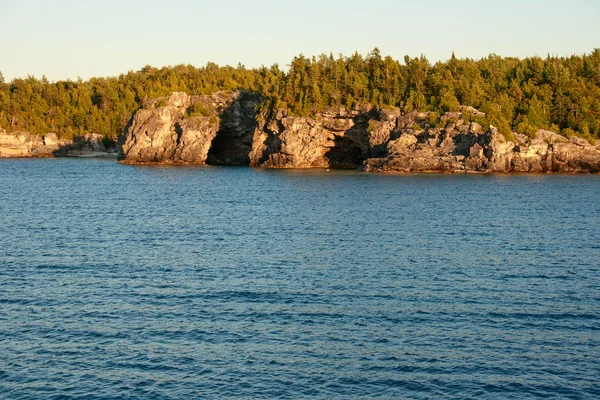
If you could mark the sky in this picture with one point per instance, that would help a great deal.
(66, 39)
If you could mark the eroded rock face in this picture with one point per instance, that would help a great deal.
(337, 139)
(23, 144)
(183, 129)
(229, 131)
(415, 146)
(19, 144)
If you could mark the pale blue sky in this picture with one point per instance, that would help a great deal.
(66, 38)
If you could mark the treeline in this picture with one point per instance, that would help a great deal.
(555, 93)
(104, 105)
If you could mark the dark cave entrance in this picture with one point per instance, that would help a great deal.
(233, 143)
(345, 154)
(230, 147)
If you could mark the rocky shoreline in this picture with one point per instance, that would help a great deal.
(183, 129)
(224, 129)
(27, 145)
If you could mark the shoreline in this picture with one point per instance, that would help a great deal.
(81, 154)
(378, 139)
(105, 155)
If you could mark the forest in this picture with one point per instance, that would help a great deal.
(561, 94)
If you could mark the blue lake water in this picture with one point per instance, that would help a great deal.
(221, 282)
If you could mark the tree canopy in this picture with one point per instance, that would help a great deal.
(524, 95)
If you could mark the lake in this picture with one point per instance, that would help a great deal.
(159, 282)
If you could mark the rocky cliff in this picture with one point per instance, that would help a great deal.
(460, 146)
(336, 139)
(23, 144)
(183, 129)
(383, 140)
(229, 131)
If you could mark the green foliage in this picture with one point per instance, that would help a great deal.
(480, 120)
(108, 143)
(450, 121)
(556, 93)
(434, 119)
(198, 110)
(570, 132)
(526, 128)
(508, 135)
(371, 126)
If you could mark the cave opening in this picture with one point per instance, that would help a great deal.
(233, 142)
(230, 147)
(345, 154)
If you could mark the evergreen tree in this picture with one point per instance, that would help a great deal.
(561, 93)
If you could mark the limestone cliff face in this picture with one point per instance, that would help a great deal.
(337, 139)
(23, 144)
(192, 130)
(229, 131)
(415, 146)
(383, 140)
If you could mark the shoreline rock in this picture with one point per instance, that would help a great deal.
(184, 129)
(466, 148)
(385, 141)
(225, 128)
(27, 145)
(336, 139)
(382, 140)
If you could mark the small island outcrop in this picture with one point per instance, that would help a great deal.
(228, 128)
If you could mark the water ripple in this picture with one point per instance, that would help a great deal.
(137, 282)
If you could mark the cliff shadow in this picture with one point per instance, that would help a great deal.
(345, 154)
(463, 143)
(272, 143)
(351, 149)
(233, 143)
(91, 143)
